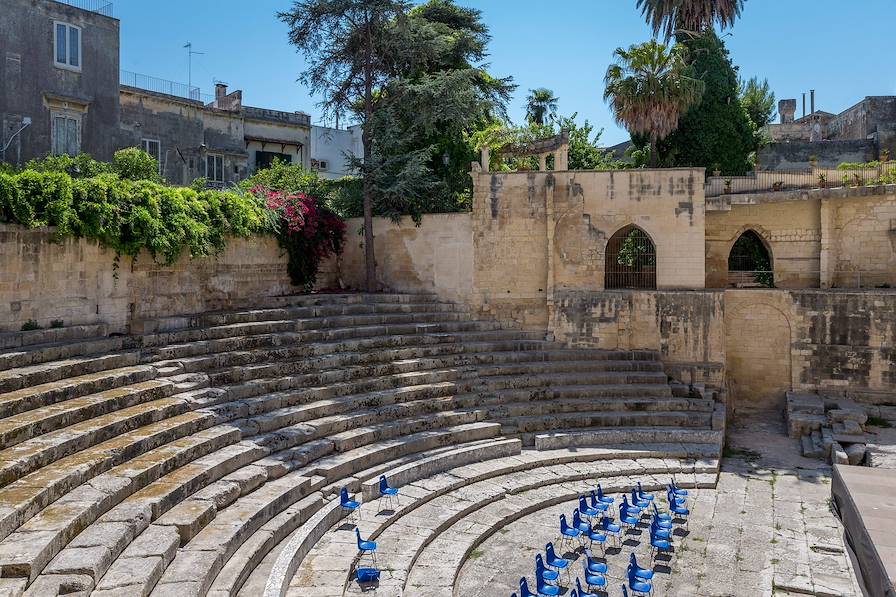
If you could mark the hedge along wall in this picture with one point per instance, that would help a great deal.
(75, 280)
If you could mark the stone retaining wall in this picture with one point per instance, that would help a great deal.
(76, 280)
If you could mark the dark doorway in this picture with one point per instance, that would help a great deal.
(631, 260)
(749, 263)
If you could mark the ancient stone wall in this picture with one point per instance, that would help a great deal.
(76, 281)
(828, 238)
(687, 328)
(436, 256)
(540, 233)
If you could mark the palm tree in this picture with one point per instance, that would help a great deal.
(540, 103)
(670, 16)
(649, 87)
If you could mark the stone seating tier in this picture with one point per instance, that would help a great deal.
(202, 455)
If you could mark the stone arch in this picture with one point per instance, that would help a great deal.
(631, 259)
(750, 260)
(758, 341)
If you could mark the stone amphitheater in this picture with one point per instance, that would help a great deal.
(204, 456)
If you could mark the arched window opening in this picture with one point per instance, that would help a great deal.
(749, 263)
(631, 260)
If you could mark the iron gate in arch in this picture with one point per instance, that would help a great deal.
(631, 260)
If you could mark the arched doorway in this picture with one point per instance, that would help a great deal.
(631, 260)
(750, 263)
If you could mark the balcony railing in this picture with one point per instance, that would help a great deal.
(766, 181)
(102, 7)
(165, 86)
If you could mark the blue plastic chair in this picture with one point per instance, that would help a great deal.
(541, 571)
(633, 509)
(348, 505)
(657, 531)
(602, 498)
(587, 510)
(662, 523)
(367, 575)
(524, 589)
(643, 494)
(660, 515)
(638, 501)
(642, 573)
(672, 496)
(638, 586)
(676, 489)
(658, 545)
(593, 579)
(553, 561)
(626, 518)
(583, 592)
(678, 510)
(588, 531)
(593, 564)
(568, 533)
(611, 529)
(389, 493)
(365, 547)
(598, 505)
(545, 590)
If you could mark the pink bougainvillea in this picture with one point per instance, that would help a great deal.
(309, 231)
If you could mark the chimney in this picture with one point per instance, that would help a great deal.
(787, 108)
(812, 100)
(220, 90)
(804, 104)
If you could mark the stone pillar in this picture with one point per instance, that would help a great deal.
(549, 223)
(543, 162)
(561, 159)
(485, 155)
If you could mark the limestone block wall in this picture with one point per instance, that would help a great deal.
(823, 238)
(536, 234)
(686, 327)
(76, 281)
(435, 257)
(791, 231)
(808, 339)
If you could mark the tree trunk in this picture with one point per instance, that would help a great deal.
(654, 158)
(369, 258)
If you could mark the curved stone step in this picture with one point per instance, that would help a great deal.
(499, 410)
(35, 530)
(623, 420)
(504, 382)
(54, 370)
(34, 355)
(598, 437)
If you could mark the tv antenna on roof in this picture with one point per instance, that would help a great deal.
(190, 52)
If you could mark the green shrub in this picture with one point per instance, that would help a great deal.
(135, 164)
(30, 326)
(57, 323)
(131, 215)
(43, 199)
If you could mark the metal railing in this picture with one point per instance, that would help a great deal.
(844, 279)
(165, 86)
(102, 7)
(765, 181)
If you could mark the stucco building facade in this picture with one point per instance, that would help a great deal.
(62, 93)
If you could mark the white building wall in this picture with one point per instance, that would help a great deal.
(329, 147)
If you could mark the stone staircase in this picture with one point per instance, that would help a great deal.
(202, 455)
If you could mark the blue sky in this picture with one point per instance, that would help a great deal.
(839, 49)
